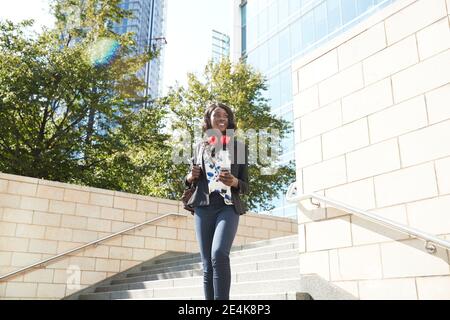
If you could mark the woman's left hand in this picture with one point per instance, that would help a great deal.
(228, 179)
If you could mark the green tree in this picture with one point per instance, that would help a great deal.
(66, 116)
(69, 114)
(241, 87)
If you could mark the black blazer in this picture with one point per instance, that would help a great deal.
(239, 169)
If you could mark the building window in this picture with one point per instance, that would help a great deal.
(334, 15)
(283, 10)
(263, 23)
(288, 143)
(264, 56)
(364, 5)
(243, 29)
(320, 17)
(273, 15)
(274, 92)
(308, 32)
(252, 31)
(296, 37)
(273, 51)
(286, 87)
(285, 45)
(294, 6)
(252, 59)
(348, 9)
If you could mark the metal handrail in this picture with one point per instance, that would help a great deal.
(43, 263)
(430, 240)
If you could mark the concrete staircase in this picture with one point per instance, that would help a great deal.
(264, 270)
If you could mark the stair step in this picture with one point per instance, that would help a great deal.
(157, 268)
(284, 285)
(233, 259)
(267, 269)
(271, 274)
(159, 276)
(257, 296)
(251, 251)
(251, 266)
(267, 242)
(254, 245)
(291, 253)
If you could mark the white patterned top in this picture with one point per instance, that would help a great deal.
(213, 164)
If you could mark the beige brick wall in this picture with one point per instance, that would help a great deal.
(372, 122)
(39, 219)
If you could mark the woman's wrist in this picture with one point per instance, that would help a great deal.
(235, 183)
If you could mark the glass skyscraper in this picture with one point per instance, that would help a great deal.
(275, 33)
(220, 45)
(148, 23)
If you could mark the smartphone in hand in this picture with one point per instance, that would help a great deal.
(224, 170)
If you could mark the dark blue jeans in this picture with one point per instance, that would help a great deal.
(215, 227)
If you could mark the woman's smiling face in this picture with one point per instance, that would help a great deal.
(219, 119)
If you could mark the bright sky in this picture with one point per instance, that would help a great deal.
(189, 28)
(18, 10)
(189, 35)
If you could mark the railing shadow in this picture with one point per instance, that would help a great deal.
(320, 289)
(123, 274)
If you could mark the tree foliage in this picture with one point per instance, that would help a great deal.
(64, 117)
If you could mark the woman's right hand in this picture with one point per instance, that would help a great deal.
(194, 174)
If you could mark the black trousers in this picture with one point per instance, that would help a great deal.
(215, 227)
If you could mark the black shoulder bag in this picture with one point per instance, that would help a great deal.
(188, 192)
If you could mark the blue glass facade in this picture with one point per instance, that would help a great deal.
(220, 46)
(147, 23)
(278, 32)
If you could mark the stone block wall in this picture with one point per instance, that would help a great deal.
(40, 219)
(372, 124)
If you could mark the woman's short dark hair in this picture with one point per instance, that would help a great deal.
(207, 118)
